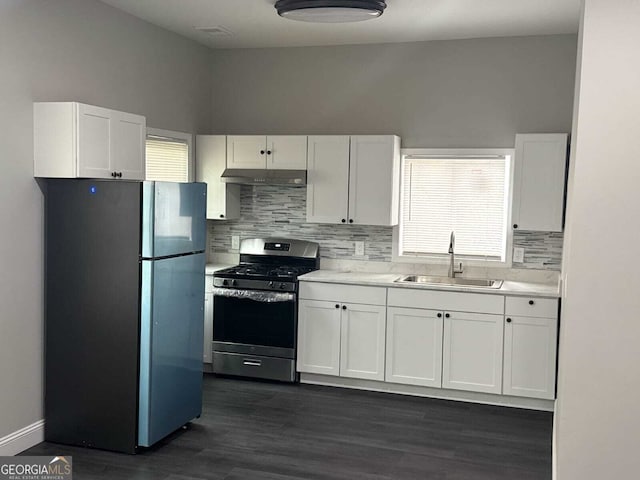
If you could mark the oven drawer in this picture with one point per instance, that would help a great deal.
(254, 366)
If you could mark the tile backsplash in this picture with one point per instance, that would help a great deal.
(280, 211)
(542, 250)
(277, 211)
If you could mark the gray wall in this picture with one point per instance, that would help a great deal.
(464, 93)
(77, 50)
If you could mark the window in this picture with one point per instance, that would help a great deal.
(467, 193)
(168, 156)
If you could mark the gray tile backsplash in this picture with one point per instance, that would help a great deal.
(276, 211)
(542, 250)
(280, 211)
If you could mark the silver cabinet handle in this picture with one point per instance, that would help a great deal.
(252, 363)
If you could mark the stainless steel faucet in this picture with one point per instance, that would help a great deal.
(452, 246)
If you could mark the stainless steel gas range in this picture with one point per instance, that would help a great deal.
(256, 308)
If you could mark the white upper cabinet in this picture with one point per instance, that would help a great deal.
(539, 182)
(223, 199)
(286, 152)
(374, 179)
(94, 127)
(246, 151)
(276, 152)
(128, 146)
(328, 179)
(353, 179)
(76, 140)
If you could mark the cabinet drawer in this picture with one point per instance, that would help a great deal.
(335, 292)
(208, 283)
(532, 307)
(438, 300)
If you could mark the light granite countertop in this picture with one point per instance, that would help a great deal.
(214, 267)
(509, 287)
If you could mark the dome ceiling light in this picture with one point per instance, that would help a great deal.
(330, 11)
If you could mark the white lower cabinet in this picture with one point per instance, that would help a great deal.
(341, 330)
(319, 337)
(472, 352)
(499, 344)
(362, 341)
(414, 346)
(530, 346)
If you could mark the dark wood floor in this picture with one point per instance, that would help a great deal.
(268, 431)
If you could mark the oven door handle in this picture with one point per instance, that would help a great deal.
(255, 295)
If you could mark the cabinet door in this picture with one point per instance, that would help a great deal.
(530, 357)
(472, 352)
(318, 337)
(328, 179)
(539, 182)
(129, 133)
(94, 142)
(287, 152)
(363, 341)
(208, 328)
(414, 346)
(223, 200)
(374, 179)
(247, 151)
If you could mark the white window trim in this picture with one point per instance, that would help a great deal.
(182, 137)
(444, 258)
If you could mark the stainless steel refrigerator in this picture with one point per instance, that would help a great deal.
(124, 299)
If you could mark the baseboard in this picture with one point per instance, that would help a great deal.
(418, 391)
(22, 439)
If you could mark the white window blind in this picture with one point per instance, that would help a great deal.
(167, 159)
(467, 195)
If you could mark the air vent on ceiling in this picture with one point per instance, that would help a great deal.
(215, 31)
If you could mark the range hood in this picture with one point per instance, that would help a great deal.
(264, 177)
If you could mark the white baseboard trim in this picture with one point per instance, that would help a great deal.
(459, 395)
(22, 439)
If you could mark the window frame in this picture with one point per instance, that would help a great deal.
(179, 136)
(442, 259)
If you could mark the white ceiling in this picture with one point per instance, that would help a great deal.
(255, 23)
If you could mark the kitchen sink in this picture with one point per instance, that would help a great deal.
(457, 281)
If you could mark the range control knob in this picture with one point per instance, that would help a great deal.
(281, 286)
(234, 282)
(271, 284)
(225, 282)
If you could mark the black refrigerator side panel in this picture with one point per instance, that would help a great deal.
(92, 313)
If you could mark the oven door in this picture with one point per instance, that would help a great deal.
(255, 322)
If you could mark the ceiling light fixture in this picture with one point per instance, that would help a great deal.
(330, 11)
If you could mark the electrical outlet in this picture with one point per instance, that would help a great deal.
(518, 254)
(235, 242)
(359, 249)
